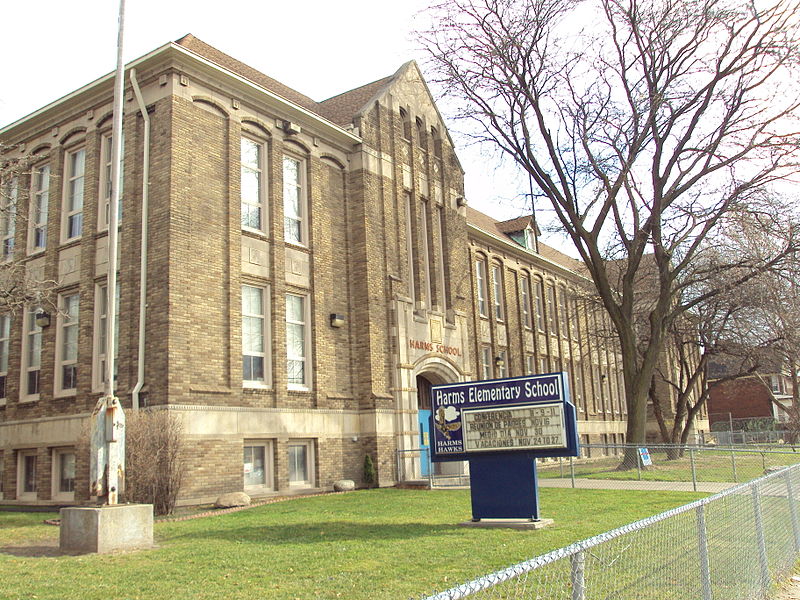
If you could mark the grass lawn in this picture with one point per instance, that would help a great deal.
(711, 466)
(367, 544)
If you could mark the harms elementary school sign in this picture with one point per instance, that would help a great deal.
(532, 413)
(501, 427)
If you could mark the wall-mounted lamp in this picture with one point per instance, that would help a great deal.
(42, 319)
(499, 362)
(603, 376)
(337, 320)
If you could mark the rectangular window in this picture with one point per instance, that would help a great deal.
(538, 289)
(255, 360)
(543, 365)
(442, 264)
(412, 265)
(486, 363)
(301, 463)
(67, 344)
(497, 277)
(552, 322)
(63, 483)
(480, 280)
(257, 463)
(26, 475)
(5, 334)
(530, 364)
(37, 219)
(101, 334)
(296, 342)
(31, 354)
(73, 195)
(252, 188)
(502, 364)
(8, 218)
(106, 183)
(525, 301)
(562, 312)
(426, 254)
(294, 210)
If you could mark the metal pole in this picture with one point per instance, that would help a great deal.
(694, 471)
(577, 576)
(572, 471)
(107, 461)
(702, 546)
(792, 509)
(638, 465)
(760, 540)
(733, 464)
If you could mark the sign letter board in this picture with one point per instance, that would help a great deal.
(530, 414)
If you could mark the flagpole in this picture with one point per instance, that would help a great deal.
(115, 431)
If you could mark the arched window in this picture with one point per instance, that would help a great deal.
(406, 124)
(421, 134)
(437, 142)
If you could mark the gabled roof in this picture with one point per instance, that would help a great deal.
(501, 229)
(514, 225)
(339, 109)
(208, 52)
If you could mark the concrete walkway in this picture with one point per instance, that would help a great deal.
(626, 484)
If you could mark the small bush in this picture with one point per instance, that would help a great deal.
(154, 463)
(370, 475)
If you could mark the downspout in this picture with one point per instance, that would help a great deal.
(143, 245)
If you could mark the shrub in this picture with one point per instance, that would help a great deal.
(154, 459)
(370, 475)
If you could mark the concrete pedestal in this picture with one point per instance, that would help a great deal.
(104, 529)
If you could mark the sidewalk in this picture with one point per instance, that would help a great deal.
(625, 484)
(790, 589)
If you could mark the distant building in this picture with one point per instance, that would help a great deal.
(312, 268)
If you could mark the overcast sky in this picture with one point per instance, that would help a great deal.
(49, 48)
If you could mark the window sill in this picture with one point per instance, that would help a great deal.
(297, 246)
(255, 385)
(29, 399)
(255, 233)
(3, 401)
(69, 243)
(65, 393)
(36, 252)
(299, 388)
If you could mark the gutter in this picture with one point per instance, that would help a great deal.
(143, 245)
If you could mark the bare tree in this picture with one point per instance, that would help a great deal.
(664, 124)
(19, 285)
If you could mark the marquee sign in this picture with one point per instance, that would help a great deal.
(531, 414)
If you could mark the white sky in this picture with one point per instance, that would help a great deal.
(49, 48)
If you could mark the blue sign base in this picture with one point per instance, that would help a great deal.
(504, 487)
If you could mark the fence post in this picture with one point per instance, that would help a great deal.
(578, 561)
(694, 471)
(638, 465)
(561, 466)
(702, 547)
(792, 509)
(572, 471)
(762, 544)
(733, 465)
(430, 467)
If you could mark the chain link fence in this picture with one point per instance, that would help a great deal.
(707, 469)
(686, 468)
(729, 546)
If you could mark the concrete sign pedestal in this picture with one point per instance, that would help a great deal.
(104, 529)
